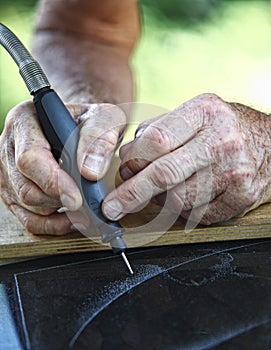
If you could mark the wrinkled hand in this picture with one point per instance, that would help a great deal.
(210, 156)
(32, 184)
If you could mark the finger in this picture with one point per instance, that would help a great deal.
(216, 211)
(18, 188)
(100, 131)
(160, 136)
(56, 224)
(77, 110)
(222, 208)
(161, 175)
(30, 195)
(132, 167)
(201, 188)
(40, 167)
(35, 161)
(153, 143)
(166, 133)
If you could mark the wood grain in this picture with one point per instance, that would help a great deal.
(15, 242)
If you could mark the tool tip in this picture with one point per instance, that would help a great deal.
(126, 261)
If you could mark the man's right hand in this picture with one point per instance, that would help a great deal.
(33, 185)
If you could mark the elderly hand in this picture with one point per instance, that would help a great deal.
(32, 184)
(211, 157)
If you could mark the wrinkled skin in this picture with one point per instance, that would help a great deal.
(33, 186)
(207, 154)
(211, 156)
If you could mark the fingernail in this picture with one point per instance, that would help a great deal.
(78, 227)
(112, 209)
(62, 210)
(68, 202)
(94, 163)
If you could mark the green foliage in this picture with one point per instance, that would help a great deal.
(230, 54)
(183, 12)
(18, 3)
(18, 15)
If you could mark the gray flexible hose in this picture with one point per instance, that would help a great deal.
(30, 70)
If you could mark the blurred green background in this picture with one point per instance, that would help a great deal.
(187, 47)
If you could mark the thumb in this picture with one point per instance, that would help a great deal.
(101, 127)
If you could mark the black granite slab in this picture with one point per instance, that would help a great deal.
(202, 296)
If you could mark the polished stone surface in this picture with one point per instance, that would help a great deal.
(201, 296)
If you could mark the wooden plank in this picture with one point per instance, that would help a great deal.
(16, 242)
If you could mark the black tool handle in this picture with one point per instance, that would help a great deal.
(62, 133)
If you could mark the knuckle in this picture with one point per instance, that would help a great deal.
(133, 166)
(211, 103)
(242, 178)
(248, 195)
(25, 164)
(6, 196)
(16, 112)
(25, 193)
(228, 146)
(35, 225)
(131, 195)
(209, 97)
(206, 102)
(234, 143)
(158, 135)
(207, 220)
(130, 199)
(212, 107)
(174, 201)
(3, 154)
(24, 159)
(113, 112)
(180, 200)
(10, 119)
(29, 224)
(102, 116)
(109, 138)
(188, 203)
(99, 138)
(135, 194)
(44, 211)
(165, 174)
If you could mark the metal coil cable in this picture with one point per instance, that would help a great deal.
(30, 70)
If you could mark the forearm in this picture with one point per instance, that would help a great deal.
(82, 71)
(88, 61)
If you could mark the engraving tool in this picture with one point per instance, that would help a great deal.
(62, 133)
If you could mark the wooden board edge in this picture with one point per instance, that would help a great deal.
(211, 234)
